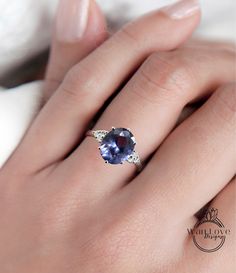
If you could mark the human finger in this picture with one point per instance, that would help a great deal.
(150, 105)
(80, 27)
(87, 86)
(196, 161)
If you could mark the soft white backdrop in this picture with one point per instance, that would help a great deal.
(21, 22)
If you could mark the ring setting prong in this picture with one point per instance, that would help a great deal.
(117, 146)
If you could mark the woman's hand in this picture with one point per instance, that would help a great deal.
(65, 210)
(79, 28)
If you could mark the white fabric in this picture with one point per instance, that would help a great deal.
(17, 108)
(218, 17)
(25, 29)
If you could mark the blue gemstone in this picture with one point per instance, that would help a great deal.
(117, 146)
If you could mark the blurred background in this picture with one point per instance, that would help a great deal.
(26, 26)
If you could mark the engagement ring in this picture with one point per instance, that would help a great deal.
(117, 146)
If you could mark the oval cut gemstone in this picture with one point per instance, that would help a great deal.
(117, 146)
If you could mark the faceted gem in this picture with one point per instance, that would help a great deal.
(117, 146)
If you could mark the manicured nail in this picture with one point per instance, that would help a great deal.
(72, 19)
(182, 9)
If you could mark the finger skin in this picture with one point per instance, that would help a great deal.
(65, 55)
(150, 104)
(196, 161)
(87, 86)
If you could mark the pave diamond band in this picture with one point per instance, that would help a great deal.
(117, 146)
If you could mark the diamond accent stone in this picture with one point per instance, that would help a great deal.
(134, 158)
(100, 134)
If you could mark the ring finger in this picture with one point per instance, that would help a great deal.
(150, 105)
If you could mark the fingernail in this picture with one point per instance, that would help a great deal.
(72, 19)
(182, 9)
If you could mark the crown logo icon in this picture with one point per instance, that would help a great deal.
(211, 215)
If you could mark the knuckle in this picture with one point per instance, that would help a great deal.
(131, 40)
(170, 73)
(79, 84)
(126, 34)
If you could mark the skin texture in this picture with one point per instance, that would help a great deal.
(63, 210)
(65, 55)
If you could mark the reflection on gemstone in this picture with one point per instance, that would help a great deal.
(117, 146)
